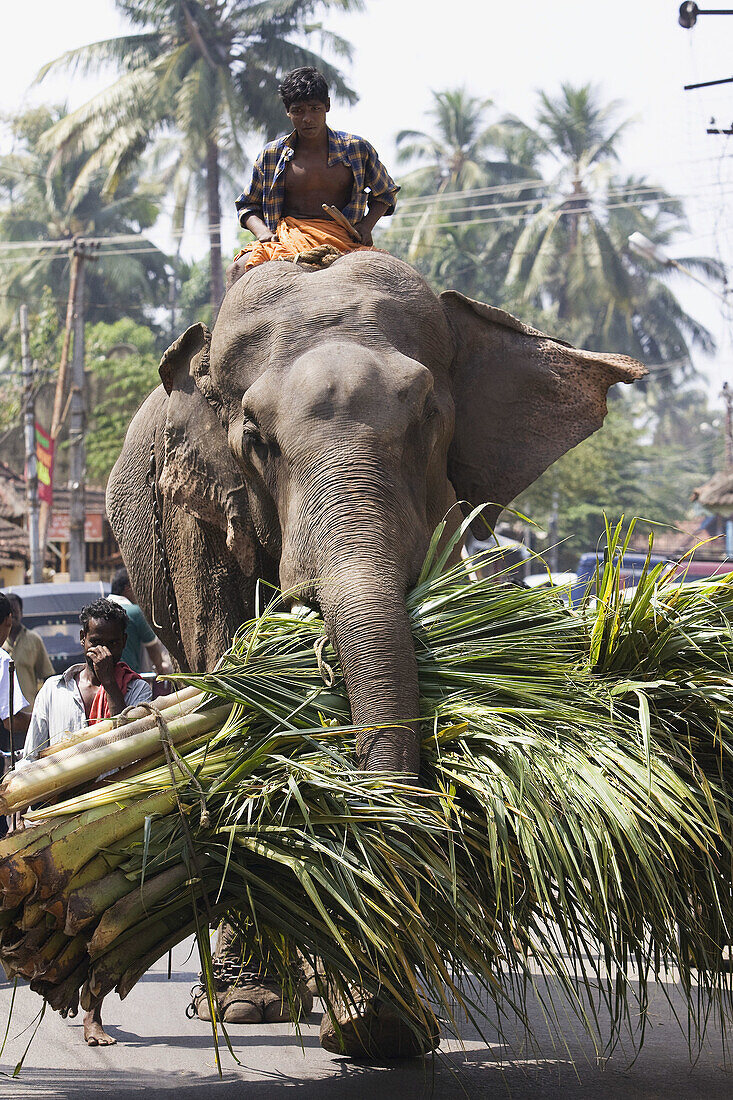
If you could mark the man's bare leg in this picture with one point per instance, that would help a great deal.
(94, 1033)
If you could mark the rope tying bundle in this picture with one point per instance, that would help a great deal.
(327, 674)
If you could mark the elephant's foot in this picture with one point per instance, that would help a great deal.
(254, 999)
(371, 1029)
(315, 977)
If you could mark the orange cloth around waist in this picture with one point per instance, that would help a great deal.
(296, 235)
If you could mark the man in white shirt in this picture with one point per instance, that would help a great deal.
(99, 688)
(86, 693)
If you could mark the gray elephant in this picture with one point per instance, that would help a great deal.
(316, 438)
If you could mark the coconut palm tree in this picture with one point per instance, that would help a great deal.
(39, 203)
(463, 153)
(573, 250)
(206, 71)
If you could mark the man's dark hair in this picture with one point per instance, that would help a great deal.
(120, 581)
(305, 83)
(15, 598)
(5, 608)
(105, 610)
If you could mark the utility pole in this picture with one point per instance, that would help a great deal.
(727, 395)
(172, 301)
(77, 424)
(552, 536)
(29, 436)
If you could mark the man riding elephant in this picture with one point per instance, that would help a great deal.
(316, 193)
(315, 439)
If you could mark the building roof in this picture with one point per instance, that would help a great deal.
(93, 498)
(716, 495)
(14, 546)
(12, 493)
(12, 496)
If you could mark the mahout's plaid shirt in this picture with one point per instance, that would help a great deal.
(266, 193)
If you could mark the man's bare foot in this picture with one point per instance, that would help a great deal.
(94, 1033)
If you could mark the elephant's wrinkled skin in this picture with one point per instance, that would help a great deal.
(318, 437)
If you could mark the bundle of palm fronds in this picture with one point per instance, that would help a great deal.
(573, 813)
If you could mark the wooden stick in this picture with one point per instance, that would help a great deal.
(340, 219)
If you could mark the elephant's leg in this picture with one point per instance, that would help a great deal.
(371, 1029)
(246, 993)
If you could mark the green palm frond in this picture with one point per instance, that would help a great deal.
(573, 811)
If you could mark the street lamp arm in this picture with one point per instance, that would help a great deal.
(689, 12)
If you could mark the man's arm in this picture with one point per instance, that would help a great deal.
(38, 731)
(42, 667)
(382, 193)
(150, 640)
(375, 210)
(249, 205)
(138, 691)
(104, 670)
(258, 227)
(158, 656)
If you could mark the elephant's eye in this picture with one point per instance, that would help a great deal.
(253, 440)
(431, 412)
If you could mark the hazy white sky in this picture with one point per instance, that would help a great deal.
(505, 51)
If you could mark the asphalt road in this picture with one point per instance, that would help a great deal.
(161, 1053)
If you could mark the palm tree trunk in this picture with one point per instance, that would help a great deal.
(216, 283)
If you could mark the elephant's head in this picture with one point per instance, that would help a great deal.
(353, 403)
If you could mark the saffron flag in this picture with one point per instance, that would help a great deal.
(44, 457)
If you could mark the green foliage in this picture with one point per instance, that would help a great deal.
(45, 343)
(540, 242)
(193, 300)
(539, 225)
(123, 361)
(573, 812)
(42, 199)
(622, 469)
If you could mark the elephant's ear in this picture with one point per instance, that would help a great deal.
(179, 355)
(522, 400)
(198, 471)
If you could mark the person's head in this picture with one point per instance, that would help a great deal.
(6, 618)
(121, 584)
(304, 93)
(16, 607)
(103, 623)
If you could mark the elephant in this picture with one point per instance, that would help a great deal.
(316, 438)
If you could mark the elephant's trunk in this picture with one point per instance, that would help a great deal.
(367, 619)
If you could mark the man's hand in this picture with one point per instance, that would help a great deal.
(260, 228)
(159, 657)
(364, 229)
(103, 666)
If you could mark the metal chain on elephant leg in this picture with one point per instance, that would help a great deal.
(159, 544)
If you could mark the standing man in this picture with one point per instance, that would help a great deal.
(19, 700)
(295, 176)
(86, 693)
(139, 632)
(26, 648)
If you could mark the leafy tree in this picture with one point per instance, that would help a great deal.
(123, 362)
(206, 71)
(456, 155)
(39, 202)
(43, 328)
(573, 250)
(631, 466)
